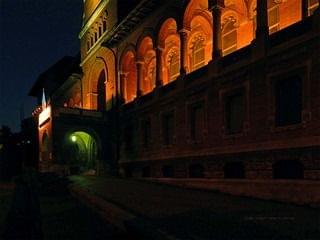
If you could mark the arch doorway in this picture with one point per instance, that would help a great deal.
(101, 87)
(80, 152)
(45, 149)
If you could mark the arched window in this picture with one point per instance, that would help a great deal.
(169, 54)
(151, 73)
(173, 65)
(197, 23)
(198, 53)
(100, 30)
(147, 60)
(104, 26)
(273, 19)
(88, 46)
(229, 36)
(101, 92)
(129, 67)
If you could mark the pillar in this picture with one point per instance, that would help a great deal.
(159, 64)
(139, 77)
(123, 89)
(262, 32)
(216, 7)
(262, 18)
(183, 51)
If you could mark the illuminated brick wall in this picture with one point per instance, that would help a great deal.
(238, 22)
(178, 40)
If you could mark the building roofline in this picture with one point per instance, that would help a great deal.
(60, 70)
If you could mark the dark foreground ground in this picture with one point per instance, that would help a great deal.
(184, 213)
(42, 208)
(49, 212)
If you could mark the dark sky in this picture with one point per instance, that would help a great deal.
(34, 34)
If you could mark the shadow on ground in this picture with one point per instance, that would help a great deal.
(42, 208)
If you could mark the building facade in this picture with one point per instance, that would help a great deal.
(204, 88)
(70, 137)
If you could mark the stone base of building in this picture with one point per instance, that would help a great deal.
(301, 163)
(289, 191)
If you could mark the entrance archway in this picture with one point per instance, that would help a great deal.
(81, 152)
(101, 98)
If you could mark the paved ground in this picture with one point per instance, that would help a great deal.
(195, 214)
(49, 212)
(65, 218)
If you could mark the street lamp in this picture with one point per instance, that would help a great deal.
(73, 138)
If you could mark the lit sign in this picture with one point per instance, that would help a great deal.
(44, 116)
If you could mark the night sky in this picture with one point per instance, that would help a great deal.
(34, 34)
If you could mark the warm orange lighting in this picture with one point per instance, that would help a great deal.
(182, 44)
(129, 68)
(44, 116)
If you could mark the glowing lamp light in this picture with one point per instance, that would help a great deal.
(73, 138)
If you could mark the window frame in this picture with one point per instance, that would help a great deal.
(276, 26)
(164, 131)
(280, 121)
(146, 134)
(190, 106)
(173, 54)
(199, 43)
(229, 98)
(302, 70)
(233, 47)
(243, 87)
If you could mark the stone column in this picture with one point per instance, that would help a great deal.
(183, 51)
(139, 76)
(123, 89)
(159, 64)
(216, 7)
(262, 18)
(262, 32)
